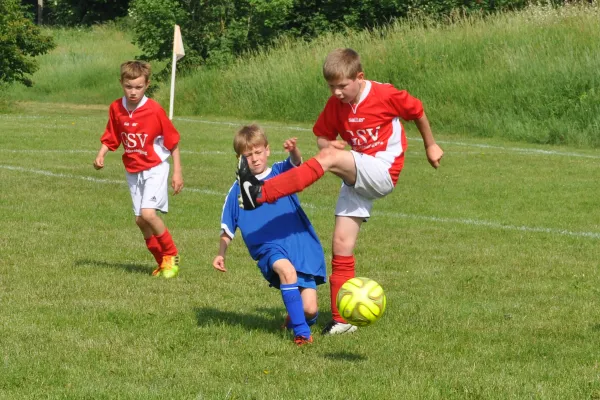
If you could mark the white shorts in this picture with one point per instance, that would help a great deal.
(373, 181)
(149, 188)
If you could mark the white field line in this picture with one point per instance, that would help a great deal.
(455, 221)
(482, 146)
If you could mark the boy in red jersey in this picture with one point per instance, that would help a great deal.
(148, 139)
(366, 115)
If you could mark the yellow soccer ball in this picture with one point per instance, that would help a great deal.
(361, 301)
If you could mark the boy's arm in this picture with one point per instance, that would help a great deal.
(219, 260)
(99, 161)
(177, 179)
(433, 151)
(295, 154)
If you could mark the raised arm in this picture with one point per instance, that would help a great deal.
(295, 154)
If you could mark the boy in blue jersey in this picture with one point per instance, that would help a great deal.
(279, 235)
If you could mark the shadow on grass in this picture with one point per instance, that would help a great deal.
(250, 321)
(345, 356)
(129, 267)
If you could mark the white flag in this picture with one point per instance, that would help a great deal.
(178, 53)
(178, 44)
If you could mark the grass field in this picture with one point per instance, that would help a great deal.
(490, 265)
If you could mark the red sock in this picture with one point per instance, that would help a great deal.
(342, 269)
(155, 248)
(293, 181)
(166, 244)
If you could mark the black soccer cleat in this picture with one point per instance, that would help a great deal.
(250, 187)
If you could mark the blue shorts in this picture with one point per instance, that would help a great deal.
(304, 280)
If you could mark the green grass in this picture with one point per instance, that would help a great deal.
(490, 266)
(83, 69)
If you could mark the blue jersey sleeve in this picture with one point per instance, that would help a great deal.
(231, 211)
(281, 167)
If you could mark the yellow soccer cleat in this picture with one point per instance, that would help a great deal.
(169, 267)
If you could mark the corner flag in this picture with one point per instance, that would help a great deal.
(178, 53)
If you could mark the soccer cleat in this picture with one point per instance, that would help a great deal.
(338, 328)
(250, 187)
(169, 267)
(302, 340)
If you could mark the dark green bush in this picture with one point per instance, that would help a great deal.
(20, 42)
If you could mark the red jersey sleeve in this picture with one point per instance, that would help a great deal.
(111, 137)
(325, 125)
(408, 108)
(170, 134)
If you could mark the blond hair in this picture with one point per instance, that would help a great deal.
(134, 69)
(249, 136)
(341, 64)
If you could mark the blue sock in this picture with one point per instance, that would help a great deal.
(295, 309)
(312, 321)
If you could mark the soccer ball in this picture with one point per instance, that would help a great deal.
(361, 301)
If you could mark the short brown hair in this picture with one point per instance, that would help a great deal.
(135, 69)
(249, 136)
(341, 64)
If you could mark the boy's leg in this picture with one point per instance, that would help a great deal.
(169, 265)
(342, 268)
(137, 187)
(254, 193)
(311, 308)
(156, 197)
(354, 206)
(151, 241)
(309, 301)
(292, 299)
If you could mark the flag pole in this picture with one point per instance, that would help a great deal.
(173, 69)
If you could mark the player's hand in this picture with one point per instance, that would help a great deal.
(219, 263)
(338, 144)
(177, 182)
(434, 155)
(290, 144)
(99, 163)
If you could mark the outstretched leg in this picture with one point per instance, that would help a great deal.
(254, 193)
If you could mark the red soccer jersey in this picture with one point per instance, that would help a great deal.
(373, 125)
(147, 134)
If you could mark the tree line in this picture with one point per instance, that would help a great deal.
(215, 31)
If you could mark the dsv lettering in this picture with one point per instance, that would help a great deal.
(134, 140)
(361, 136)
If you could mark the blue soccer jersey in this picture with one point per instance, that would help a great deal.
(276, 230)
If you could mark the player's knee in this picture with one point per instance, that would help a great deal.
(148, 215)
(140, 221)
(310, 311)
(327, 157)
(285, 271)
(342, 244)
